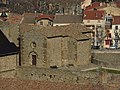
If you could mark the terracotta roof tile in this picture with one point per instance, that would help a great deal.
(50, 17)
(14, 18)
(29, 18)
(118, 4)
(94, 5)
(116, 19)
(94, 15)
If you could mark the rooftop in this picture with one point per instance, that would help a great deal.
(116, 20)
(6, 47)
(94, 5)
(73, 30)
(50, 17)
(68, 19)
(94, 15)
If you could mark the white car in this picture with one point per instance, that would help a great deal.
(112, 47)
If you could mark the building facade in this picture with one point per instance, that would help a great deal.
(95, 20)
(54, 47)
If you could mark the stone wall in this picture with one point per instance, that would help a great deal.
(110, 57)
(83, 52)
(64, 51)
(54, 51)
(61, 51)
(8, 74)
(8, 62)
(72, 51)
(28, 49)
(8, 65)
(56, 75)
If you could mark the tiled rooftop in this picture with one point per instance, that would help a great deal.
(50, 17)
(116, 20)
(94, 15)
(73, 30)
(94, 5)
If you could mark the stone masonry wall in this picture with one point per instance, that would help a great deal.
(64, 51)
(8, 66)
(54, 51)
(56, 75)
(61, 51)
(8, 62)
(110, 57)
(83, 52)
(28, 49)
(8, 74)
(72, 51)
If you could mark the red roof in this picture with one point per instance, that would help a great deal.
(118, 4)
(14, 18)
(116, 20)
(94, 15)
(3, 18)
(94, 5)
(50, 17)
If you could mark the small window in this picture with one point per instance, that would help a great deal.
(41, 22)
(109, 35)
(116, 27)
(49, 23)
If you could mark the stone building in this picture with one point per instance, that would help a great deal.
(8, 57)
(46, 47)
(47, 53)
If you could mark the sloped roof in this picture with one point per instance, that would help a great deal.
(14, 18)
(116, 20)
(6, 47)
(118, 4)
(39, 17)
(67, 19)
(94, 5)
(29, 18)
(73, 30)
(94, 15)
(111, 10)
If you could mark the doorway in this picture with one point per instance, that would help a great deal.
(33, 59)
